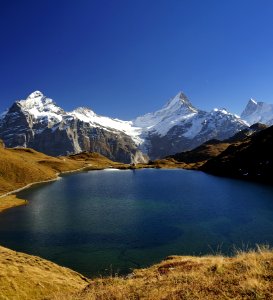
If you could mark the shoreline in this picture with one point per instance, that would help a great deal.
(5, 198)
(242, 276)
(7, 203)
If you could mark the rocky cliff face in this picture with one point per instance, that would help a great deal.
(38, 122)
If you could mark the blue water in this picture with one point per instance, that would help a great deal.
(105, 222)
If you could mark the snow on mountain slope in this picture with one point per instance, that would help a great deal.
(88, 116)
(223, 124)
(3, 114)
(173, 112)
(178, 111)
(41, 107)
(178, 126)
(37, 122)
(258, 112)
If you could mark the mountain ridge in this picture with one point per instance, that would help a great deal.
(38, 122)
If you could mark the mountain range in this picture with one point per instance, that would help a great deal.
(39, 123)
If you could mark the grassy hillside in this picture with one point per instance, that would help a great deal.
(20, 167)
(26, 277)
(245, 276)
(196, 158)
(202, 153)
(251, 159)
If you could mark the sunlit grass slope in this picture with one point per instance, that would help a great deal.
(27, 277)
(245, 276)
(248, 275)
(20, 167)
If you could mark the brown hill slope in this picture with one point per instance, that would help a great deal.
(20, 167)
(251, 159)
(202, 153)
(195, 158)
(25, 277)
(245, 276)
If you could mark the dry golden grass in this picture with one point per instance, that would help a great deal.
(10, 201)
(27, 277)
(96, 161)
(171, 163)
(245, 276)
(20, 167)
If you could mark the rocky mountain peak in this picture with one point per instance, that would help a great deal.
(39, 123)
(250, 108)
(178, 102)
(252, 101)
(38, 105)
(255, 112)
(35, 94)
(177, 109)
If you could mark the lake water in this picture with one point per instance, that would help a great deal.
(105, 222)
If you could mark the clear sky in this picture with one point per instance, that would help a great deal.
(123, 58)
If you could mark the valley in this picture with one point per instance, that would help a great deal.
(244, 152)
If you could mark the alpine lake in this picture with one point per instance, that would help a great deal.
(112, 221)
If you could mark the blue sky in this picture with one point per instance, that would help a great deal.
(123, 58)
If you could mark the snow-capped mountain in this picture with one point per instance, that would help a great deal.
(176, 110)
(38, 122)
(88, 116)
(258, 112)
(179, 126)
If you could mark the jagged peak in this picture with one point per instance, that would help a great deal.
(179, 100)
(36, 99)
(182, 97)
(35, 94)
(252, 103)
(250, 108)
(38, 105)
